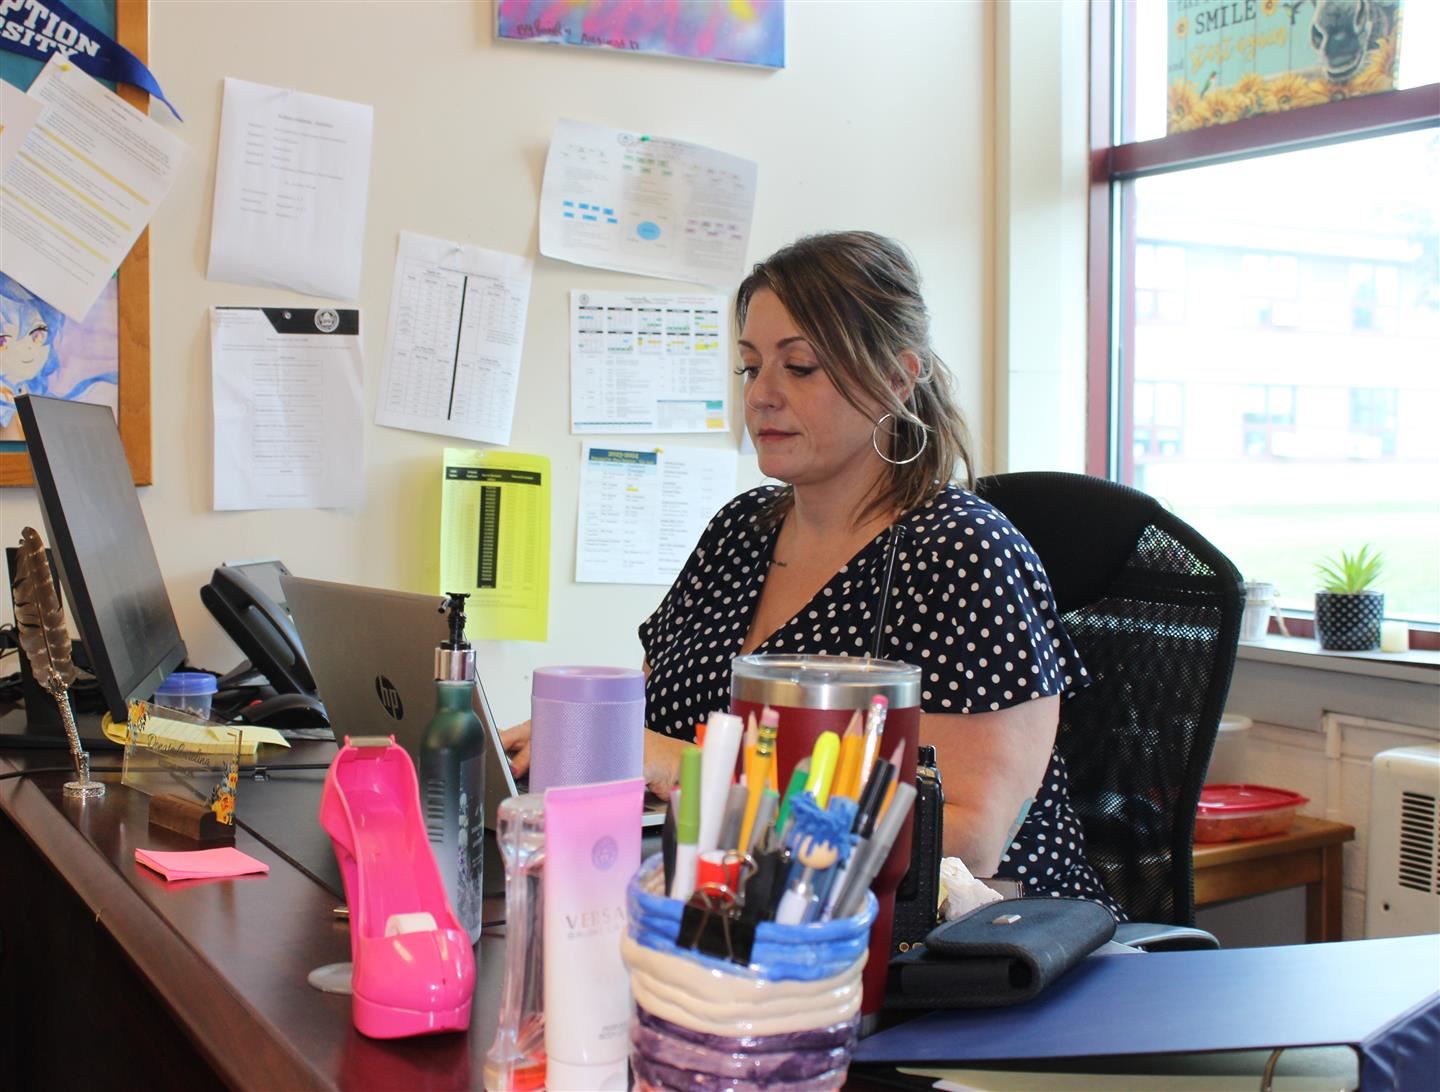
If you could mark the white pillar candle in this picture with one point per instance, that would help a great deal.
(1394, 637)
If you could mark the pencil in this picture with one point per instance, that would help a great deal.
(895, 760)
(847, 773)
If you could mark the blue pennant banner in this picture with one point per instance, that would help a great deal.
(39, 29)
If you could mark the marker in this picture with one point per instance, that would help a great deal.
(717, 764)
(769, 805)
(822, 767)
(729, 837)
(798, 777)
(687, 825)
(719, 868)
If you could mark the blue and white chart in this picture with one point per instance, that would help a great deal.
(645, 204)
(648, 362)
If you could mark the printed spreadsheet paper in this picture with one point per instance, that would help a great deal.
(452, 349)
(645, 204)
(647, 363)
(495, 541)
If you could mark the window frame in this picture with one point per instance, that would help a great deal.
(1111, 232)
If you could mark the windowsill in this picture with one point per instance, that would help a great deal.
(1417, 665)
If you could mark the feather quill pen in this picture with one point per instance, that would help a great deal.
(46, 643)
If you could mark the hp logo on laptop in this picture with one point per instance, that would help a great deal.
(389, 698)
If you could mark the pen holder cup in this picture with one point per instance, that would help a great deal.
(788, 1020)
(815, 694)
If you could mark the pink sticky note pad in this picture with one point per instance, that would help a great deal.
(199, 864)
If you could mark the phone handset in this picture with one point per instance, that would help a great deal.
(263, 632)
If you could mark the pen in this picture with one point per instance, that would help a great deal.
(797, 905)
(874, 726)
(758, 771)
(687, 825)
(863, 826)
(822, 767)
(717, 764)
(895, 760)
(873, 854)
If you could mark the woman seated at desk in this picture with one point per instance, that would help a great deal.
(848, 405)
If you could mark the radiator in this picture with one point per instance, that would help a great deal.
(1402, 895)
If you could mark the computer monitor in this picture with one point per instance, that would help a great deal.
(94, 526)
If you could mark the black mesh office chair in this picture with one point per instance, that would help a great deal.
(1154, 610)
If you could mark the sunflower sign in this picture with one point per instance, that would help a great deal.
(1233, 59)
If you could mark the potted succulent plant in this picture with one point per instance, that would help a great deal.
(1348, 610)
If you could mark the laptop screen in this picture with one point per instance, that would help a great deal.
(372, 652)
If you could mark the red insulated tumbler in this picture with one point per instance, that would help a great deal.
(815, 694)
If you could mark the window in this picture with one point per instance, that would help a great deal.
(1265, 343)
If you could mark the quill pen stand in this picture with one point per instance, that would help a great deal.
(83, 787)
(46, 644)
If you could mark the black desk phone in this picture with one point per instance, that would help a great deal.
(263, 631)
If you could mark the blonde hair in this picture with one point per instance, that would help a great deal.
(855, 296)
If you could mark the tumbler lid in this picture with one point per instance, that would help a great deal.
(822, 682)
(588, 684)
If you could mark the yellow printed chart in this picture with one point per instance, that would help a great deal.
(495, 541)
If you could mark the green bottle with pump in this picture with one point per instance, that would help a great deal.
(452, 772)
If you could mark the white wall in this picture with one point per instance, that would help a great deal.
(882, 120)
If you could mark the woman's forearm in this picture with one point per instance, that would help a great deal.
(975, 835)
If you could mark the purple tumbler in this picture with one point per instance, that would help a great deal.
(587, 724)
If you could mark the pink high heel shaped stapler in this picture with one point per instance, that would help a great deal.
(414, 969)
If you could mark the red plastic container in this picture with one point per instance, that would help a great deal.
(1229, 813)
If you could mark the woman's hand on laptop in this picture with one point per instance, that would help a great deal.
(662, 763)
(662, 757)
(516, 742)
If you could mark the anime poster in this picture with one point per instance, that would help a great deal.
(737, 31)
(1233, 59)
(42, 352)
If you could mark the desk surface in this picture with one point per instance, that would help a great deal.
(230, 958)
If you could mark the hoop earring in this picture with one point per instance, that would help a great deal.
(875, 442)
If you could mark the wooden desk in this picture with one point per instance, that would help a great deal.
(112, 978)
(1309, 854)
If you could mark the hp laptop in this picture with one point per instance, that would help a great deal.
(372, 653)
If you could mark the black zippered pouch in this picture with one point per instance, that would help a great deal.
(999, 954)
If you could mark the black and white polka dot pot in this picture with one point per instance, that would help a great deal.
(1349, 621)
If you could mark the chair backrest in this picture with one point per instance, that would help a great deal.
(1154, 610)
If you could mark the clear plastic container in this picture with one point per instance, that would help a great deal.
(191, 691)
(1229, 813)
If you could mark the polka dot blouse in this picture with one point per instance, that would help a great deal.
(968, 603)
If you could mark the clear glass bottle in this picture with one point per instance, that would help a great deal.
(516, 1060)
